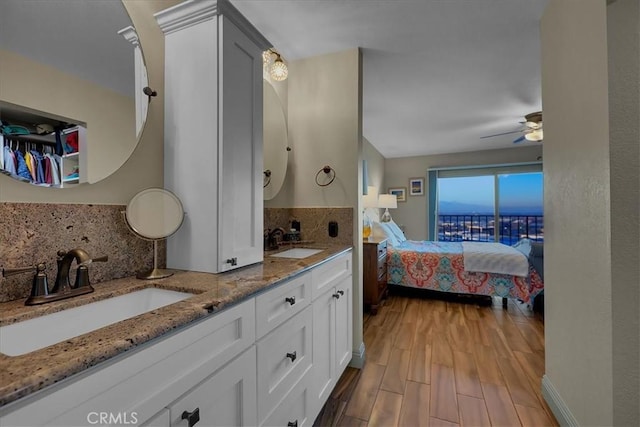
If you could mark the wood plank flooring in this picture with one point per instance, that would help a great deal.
(441, 363)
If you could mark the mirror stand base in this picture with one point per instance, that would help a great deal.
(155, 273)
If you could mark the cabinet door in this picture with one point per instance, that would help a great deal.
(226, 398)
(284, 355)
(324, 348)
(344, 328)
(240, 136)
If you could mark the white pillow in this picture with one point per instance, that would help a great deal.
(381, 230)
(397, 232)
(524, 246)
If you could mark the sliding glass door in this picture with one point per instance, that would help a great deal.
(520, 207)
(502, 204)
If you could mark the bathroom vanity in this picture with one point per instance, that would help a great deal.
(263, 345)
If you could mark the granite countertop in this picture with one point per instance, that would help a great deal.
(25, 374)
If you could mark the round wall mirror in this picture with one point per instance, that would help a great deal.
(275, 142)
(73, 63)
(154, 214)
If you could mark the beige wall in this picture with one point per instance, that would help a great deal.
(375, 166)
(375, 174)
(324, 109)
(412, 214)
(590, 101)
(144, 167)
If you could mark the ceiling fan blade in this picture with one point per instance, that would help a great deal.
(522, 138)
(503, 133)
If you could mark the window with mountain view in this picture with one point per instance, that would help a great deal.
(488, 206)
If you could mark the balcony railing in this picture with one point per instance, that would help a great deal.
(482, 228)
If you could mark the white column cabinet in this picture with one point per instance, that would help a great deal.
(213, 134)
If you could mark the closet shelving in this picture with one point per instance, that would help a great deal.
(71, 164)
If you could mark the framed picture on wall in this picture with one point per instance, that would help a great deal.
(416, 186)
(400, 193)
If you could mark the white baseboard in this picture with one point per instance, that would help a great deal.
(357, 360)
(558, 407)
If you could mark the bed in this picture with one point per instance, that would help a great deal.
(440, 266)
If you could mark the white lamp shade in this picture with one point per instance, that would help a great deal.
(387, 201)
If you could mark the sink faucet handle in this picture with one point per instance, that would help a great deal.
(104, 258)
(82, 272)
(40, 284)
(6, 272)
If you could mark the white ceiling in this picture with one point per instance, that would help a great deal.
(438, 74)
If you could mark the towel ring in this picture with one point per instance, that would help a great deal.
(267, 178)
(329, 171)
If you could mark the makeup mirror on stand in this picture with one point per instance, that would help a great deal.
(154, 214)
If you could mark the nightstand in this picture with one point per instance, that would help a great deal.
(374, 264)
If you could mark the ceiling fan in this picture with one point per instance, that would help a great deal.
(532, 129)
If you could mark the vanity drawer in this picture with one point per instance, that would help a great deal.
(328, 274)
(284, 356)
(279, 304)
(295, 408)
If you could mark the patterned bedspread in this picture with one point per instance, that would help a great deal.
(439, 266)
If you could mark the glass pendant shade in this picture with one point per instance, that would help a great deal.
(279, 70)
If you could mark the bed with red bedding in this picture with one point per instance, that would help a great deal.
(440, 266)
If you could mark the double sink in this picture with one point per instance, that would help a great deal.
(33, 334)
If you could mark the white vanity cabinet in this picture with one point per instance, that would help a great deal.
(213, 134)
(272, 359)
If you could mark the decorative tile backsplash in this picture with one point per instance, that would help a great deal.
(314, 222)
(32, 233)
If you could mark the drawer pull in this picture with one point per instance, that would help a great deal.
(290, 300)
(341, 292)
(336, 296)
(292, 356)
(191, 417)
(292, 423)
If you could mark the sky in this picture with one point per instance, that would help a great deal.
(518, 194)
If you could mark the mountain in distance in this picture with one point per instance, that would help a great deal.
(461, 208)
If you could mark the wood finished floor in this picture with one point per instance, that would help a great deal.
(438, 363)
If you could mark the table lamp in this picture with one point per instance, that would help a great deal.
(387, 201)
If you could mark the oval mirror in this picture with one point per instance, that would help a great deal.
(275, 142)
(154, 214)
(66, 63)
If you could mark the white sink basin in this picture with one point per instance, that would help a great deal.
(297, 253)
(33, 334)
